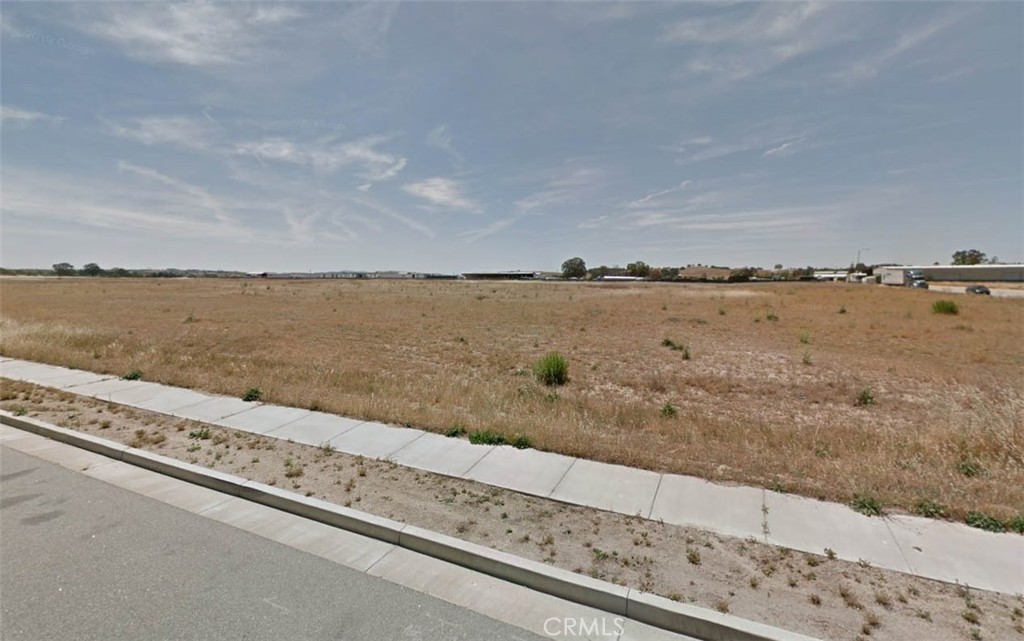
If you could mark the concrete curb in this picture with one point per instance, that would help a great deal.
(646, 608)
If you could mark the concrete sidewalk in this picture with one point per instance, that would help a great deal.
(933, 549)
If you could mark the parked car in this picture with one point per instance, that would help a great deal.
(978, 289)
(919, 284)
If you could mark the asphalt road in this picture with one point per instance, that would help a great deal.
(81, 559)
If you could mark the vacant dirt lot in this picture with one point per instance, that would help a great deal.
(809, 593)
(828, 390)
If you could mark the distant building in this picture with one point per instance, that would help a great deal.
(508, 275)
(983, 273)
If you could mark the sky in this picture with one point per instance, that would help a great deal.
(452, 137)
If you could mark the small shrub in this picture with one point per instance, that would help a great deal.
(984, 521)
(455, 431)
(521, 442)
(693, 556)
(815, 599)
(668, 410)
(552, 370)
(868, 505)
(865, 397)
(929, 508)
(945, 307)
(805, 338)
(970, 469)
(252, 395)
(842, 309)
(552, 397)
(1016, 524)
(200, 434)
(486, 437)
(807, 359)
(133, 375)
(849, 598)
(771, 316)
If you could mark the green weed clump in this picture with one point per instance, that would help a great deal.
(867, 505)
(455, 431)
(133, 375)
(252, 395)
(552, 370)
(865, 397)
(945, 307)
(486, 437)
(984, 521)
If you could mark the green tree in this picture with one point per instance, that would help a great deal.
(92, 269)
(639, 269)
(968, 257)
(64, 269)
(574, 268)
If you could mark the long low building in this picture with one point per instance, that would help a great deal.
(970, 273)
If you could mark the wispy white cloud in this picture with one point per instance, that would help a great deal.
(15, 116)
(203, 199)
(366, 26)
(787, 148)
(440, 138)
(326, 155)
(443, 192)
(907, 41)
(390, 213)
(474, 235)
(180, 131)
(196, 33)
(568, 185)
(658, 194)
(180, 210)
(739, 41)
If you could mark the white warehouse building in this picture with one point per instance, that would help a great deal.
(967, 273)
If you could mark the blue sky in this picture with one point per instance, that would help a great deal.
(468, 136)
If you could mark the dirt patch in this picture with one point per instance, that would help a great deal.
(811, 594)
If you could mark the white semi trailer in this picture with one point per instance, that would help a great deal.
(899, 276)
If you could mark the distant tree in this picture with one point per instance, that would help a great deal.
(778, 265)
(669, 273)
(118, 272)
(92, 269)
(64, 269)
(574, 268)
(639, 269)
(741, 275)
(968, 257)
(655, 273)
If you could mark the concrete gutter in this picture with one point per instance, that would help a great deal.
(646, 608)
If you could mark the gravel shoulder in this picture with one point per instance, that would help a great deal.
(810, 594)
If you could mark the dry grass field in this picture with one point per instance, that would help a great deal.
(827, 390)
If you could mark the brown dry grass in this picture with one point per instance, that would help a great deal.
(765, 402)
